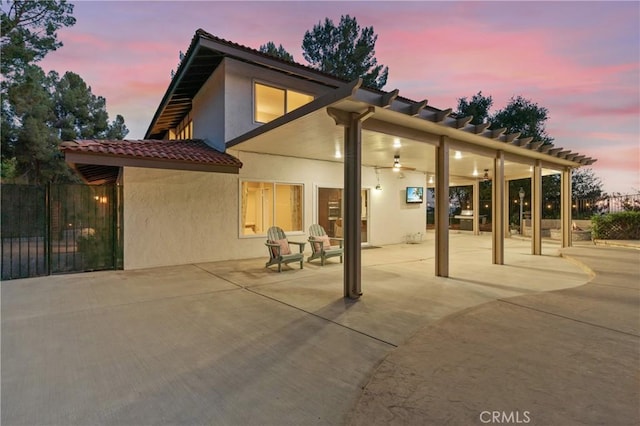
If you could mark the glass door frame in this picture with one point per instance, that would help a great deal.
(366, 204)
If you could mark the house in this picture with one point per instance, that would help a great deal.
(242, 140)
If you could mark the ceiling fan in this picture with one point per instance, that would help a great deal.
(396, 165)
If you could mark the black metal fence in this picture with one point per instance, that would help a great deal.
(581, 209)
(585, 208)
(59, 229)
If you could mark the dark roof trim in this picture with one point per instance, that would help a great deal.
(256, 57)
(184, 65)
(207, 51)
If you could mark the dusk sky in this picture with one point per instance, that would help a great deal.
(581, 60)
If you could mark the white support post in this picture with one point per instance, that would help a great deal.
(476, 208)
(442, 208)
(498, 209)
(565, 207)
(536, 209)
(507, 201)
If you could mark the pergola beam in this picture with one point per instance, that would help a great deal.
(441, 115)
(496, 133)
(522, 141)
(388, 98)
(545, 148)
(462, 122)
(510, 137)
(535, 145)
(554, 151)
(571, 156)
(480, 128)
(417, 107)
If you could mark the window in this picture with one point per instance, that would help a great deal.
(273, 102)
(184, 130)
(265, 204)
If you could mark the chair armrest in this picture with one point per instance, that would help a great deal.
(301, 245)
(339, 240)
(275, 246)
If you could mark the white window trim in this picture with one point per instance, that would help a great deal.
(274, 182)
(275, 86)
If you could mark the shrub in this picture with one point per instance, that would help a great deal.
(95, 247)
(616, 226)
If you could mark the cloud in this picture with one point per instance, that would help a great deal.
(579, 62)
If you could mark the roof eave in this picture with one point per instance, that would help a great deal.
(184, 65)
(104, 159)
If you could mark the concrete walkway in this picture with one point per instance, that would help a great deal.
(233, 343)
(566, 357)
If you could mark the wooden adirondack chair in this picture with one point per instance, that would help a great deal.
(321, 244)
(279, 249)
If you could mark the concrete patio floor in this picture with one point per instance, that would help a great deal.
(235, 343)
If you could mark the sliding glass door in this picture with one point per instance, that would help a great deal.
(331, 209)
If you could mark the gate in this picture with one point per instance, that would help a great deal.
(59, 229)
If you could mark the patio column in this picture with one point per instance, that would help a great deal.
(565, 207)
(507, 207)
(498, 208)
(476, 207)
(353, 203)
(536, 209)
(442, 208)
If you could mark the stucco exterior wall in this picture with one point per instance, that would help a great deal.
(177, 217)
(208, 110)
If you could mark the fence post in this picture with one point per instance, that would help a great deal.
(47, 214)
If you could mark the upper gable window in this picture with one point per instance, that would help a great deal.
(273, 102)
(185, 130)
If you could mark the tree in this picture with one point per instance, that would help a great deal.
(346, 51)
(117, 129)
(38, 109)
(279, 52)
(79, 113)
(478, 107)
(34, 141)
(586, 185)
(524, 116)
(28, 31)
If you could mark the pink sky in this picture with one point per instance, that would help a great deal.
(581, 60)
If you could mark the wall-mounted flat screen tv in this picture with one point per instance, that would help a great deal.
(415, 194)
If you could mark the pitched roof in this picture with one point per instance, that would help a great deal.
(186, 154)
(204, 55)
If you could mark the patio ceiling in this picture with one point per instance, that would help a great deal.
(316, 136)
